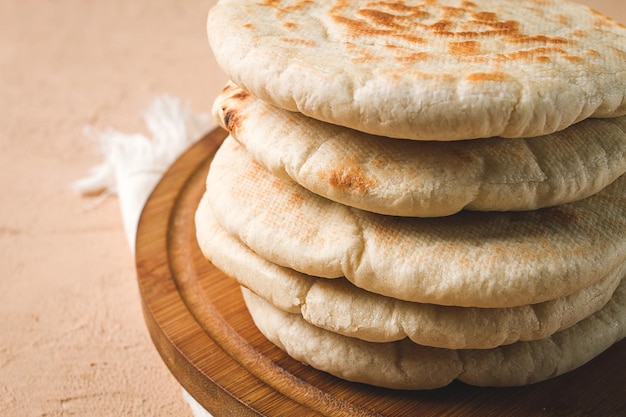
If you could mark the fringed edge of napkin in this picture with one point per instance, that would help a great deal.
(134, 163)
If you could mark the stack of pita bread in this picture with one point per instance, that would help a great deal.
(420, 191)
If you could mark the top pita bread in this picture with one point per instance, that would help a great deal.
(426, 69)
(426, 179)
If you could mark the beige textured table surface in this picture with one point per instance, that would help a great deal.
(72, 337)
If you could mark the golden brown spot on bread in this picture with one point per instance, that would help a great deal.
(348, 177)
(363, 59)
(464, 48)
(229, 117)
(380, 18)
(540, 39)
(301, 4)
(506, 27)
(410, 38)
(596, 12)
(452, 12)
(296, 6)
(358, 28)
(441, 26)
(408, 11)
(564, 20)
(299, 41)
(400, 24)
(290, 25)
(474, 34)
(487, 76)
(355, 27)
(248, 26)
(485, 16)
(295, 199)
(281, 10)
(531, 54)
(414, 57)
(364, 55)
(241, 95)
(574, 59)
(232, 119)
(483, 29)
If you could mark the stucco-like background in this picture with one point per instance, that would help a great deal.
(72, 335)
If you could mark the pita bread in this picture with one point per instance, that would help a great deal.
(470, 259)
(405, 365)
(340, 307)
(428, 70)
(426, 179)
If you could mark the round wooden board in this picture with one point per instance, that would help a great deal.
(202, 330)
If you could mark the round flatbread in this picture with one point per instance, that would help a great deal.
(406, 365)
(472, 259)
(340, 307)
(429, 70)
(426, 179)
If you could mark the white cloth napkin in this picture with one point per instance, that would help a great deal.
(133, 164)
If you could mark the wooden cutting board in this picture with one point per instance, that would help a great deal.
(202, 330)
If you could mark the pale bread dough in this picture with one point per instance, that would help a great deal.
(340, 307)
(426, 179)
(469, 259)
(430, 70)
(406, 365)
